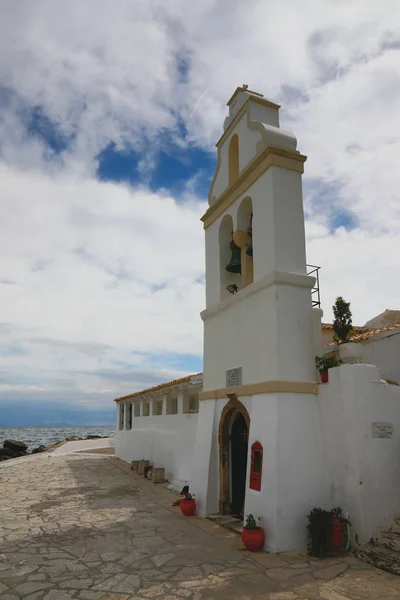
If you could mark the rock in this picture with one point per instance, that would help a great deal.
(40, 448)
(15, 446)
(94, 437)
(6, 452)
(73, 438)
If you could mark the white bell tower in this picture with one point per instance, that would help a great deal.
(259, 350)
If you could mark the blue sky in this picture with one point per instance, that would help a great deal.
(107, 149)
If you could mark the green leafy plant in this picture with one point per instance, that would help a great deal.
(338, 513)
(342, 323)
(251, 523)
(323, 363)
(319, 527)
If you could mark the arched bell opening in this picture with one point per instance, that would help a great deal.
(245, 227)
(233, 449)
(230, 259)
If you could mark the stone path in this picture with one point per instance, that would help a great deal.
(86, 527)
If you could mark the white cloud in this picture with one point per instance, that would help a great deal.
(119, 267)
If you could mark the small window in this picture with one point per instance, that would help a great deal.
(172, 406)
(191, 405)
(146, 409)
(137, 409)
(121, 416)
(233, 159)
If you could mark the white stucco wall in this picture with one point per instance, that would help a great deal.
(232, 339)
(383, 351)
(293, 478)
(165, 440)
(248, 140)
(363, 471)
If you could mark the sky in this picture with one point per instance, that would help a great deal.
(109, 114)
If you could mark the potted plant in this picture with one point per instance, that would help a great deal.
(327, 532)
(252, 534)
(323, 363)
(339, 532)
(188, 504)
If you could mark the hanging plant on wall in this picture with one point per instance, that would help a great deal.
(328, 532)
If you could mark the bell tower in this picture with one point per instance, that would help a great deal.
(258, 309)
(259, 350)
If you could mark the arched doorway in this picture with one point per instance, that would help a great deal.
(233, 447)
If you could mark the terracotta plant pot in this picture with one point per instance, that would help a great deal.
(188, 507)
(253, 539)
(336, 537)
(324, 377)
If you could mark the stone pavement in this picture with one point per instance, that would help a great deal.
(86, 527)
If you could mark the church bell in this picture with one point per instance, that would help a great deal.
(235, 264)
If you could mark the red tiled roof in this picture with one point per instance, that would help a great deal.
(329, 327)
(371, 332)
(157, 387)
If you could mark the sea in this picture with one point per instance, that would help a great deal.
(35, 436)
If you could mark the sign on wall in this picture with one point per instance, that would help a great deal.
(382, 430)
(234, 377)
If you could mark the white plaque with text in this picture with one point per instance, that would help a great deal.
(382, 430)
(234, 377)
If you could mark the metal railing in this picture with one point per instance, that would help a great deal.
(313, 271)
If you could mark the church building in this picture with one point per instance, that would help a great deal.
(257, 432)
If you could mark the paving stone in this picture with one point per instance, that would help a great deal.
(35, 596)
(284, 573)
(162, 559)
(58, 595)
(77, 584)
(114, 597)
(331, 572)
(351, 560)
(31, 586)
(3, 587)
(90, 595)
(270, 560)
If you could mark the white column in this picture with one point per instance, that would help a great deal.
(182, 395)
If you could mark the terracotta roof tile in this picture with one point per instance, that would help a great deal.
(371, 332)
(157, 387)
(329, 327)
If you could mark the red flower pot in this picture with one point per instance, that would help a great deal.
(324, 377)
(336, 538)
(188, 507)
(253, 539)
